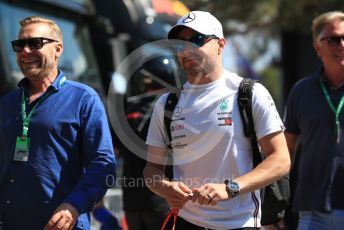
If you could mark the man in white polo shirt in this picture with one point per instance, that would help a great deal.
(215, 185)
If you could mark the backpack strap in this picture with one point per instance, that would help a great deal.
(245, 108)
(171, 102)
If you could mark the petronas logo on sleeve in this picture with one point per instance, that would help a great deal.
(224, 105)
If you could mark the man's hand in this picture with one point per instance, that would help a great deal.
(210, 194)
(177, 194)
(64, 218)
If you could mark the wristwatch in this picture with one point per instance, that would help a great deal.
(232, 188)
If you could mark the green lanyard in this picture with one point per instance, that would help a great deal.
(27, 117)
(336, 111)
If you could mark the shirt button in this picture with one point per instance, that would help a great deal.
(8, 201)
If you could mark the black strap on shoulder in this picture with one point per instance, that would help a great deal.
(245, 108)
(171, 102)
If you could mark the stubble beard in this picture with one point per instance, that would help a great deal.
(39, 72)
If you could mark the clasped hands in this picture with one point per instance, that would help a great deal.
(178, 193)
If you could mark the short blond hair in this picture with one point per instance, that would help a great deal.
(57, 33)
(320, 21)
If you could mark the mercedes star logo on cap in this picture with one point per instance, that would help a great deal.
(189, 18)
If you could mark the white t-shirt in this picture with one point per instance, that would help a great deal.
(209, 146)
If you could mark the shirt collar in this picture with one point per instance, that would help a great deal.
(321, 76)
(57, 83)
(324, 79)
(23, 83)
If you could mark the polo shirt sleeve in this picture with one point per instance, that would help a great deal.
(265, 115)
(98, 156)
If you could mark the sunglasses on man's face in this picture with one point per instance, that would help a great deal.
(32, 43)
(333, 40)
(197, 40)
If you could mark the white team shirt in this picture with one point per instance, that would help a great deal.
(209, 146)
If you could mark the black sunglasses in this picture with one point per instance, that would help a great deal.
(33, 43)
(333, 40)
(197, 40)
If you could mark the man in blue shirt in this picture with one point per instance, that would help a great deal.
(56, 152)
(315, 121)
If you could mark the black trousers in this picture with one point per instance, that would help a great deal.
(182, 224)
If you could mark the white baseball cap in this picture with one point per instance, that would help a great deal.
(200, 21)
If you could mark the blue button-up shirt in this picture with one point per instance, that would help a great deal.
(71, 156)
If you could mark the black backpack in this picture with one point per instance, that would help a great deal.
(275, 197)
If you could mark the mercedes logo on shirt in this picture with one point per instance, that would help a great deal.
(189, 18)
(177, 112)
